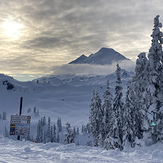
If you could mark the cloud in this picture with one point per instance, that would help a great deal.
(56, 32)
(43, 42)
(87, 69)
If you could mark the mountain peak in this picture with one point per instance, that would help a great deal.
(103, 57)
(106, 49)
(80, 59)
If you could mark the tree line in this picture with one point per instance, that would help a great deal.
(118, 123)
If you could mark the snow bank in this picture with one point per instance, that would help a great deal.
(18, 152)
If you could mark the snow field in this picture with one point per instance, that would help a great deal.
(25, 151)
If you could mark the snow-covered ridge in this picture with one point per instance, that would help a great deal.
(55, 94)
(79, 80)
(10, 83)
(104, 56)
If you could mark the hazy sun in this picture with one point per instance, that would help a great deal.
(12, 29)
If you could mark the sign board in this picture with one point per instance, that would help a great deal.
(20, 125)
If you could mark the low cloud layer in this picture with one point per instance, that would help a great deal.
(86, 69)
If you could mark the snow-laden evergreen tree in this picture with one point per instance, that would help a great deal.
(155, 52)
(117, 102)
(43, 121)
(156, 71)
(142, 69)
(112, 138)
(88, 128)
(49, 136)
(129, 123)
(157, 124)
(118, 109)
(54, 138)
(138, 113)
(45, 137)
(69, 137)
(58, 137)
(59, 124)
(84, 129)
(77, 131)
(108, 109)
(53, 133)
(109, 119)
(74, 131)
(156, 59)
(39, 137)
(114, 126)
(145, 89)
(96, 118)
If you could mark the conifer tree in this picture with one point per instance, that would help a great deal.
(54, 133)
(45, 137)
(51, 134)
(140, 97)
(77, 131)
(58, 137)
(59, 125)
(88, 128)
(49, 130)
(69, 137)
(44, 121)
(96, 117)
(39, 137)
(74, 132)
(156, 66)
(109, 119)
(108, 109)
(157, 125)
(129, 123)
(135, 101)
(155, 52)
(118, 109)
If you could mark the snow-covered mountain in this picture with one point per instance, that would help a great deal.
(56, 95)
(83, 80)
(103, 57)
(67, 97)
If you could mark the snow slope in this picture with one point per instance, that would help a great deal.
(64, 96)
(18, 152)
(67, 97)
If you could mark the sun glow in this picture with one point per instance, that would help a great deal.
(12, 29)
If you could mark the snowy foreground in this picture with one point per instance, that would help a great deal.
(18, 152)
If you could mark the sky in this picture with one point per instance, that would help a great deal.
(37, 36)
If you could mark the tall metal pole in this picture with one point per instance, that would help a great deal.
(20, 111)
(21, 102)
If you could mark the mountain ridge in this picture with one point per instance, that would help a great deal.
(104, 56)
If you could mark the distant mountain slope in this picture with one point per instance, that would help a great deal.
(65, 96)
(103, 57)
(82, 80)
(8, 83)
